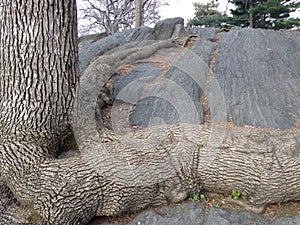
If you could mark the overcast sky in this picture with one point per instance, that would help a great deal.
(185, 8)
(179, 8)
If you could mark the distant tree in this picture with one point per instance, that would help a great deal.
(116, 15)
(139, 6)
(275, 14)
(242, 15)
(270, 14)
(208, 15)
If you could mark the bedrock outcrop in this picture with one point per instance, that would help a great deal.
(143, 77)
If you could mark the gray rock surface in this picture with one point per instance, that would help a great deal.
(286, 221)
(176, 97)
(193, 213)
(86, 40)
(178, 31)
(258, 72)
(130, 45)
(164, 29)
(95, 45)
(131, 88)
(101, 46)
(209, 34)
(204, 49)
(219, 216)
(166, 100)
(153, 111)
(182, 214)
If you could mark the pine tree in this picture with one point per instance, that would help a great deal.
(269, 14)
(275, 14)
(241, 14)
(208, 15)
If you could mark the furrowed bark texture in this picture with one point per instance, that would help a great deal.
(143, 168)
(38, 66)
(138, 13)
(38, 56)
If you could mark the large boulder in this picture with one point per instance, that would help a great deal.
(209, 34)
(158, 98)
(103, 45)
(253, 85)
(258, 72)
(163, 96)
(131, 87)
(164, 29)
(85, 41)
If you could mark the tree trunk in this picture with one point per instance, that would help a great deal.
(38, 69)
(150, 167)
(251, 14)
(38, 72)
(108, 23)
(139, 6)
(138, 13)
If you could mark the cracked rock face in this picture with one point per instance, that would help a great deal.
(252, 84)
(258, 72)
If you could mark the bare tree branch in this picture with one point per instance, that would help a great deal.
(112, 16)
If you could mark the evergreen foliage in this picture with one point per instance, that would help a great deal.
(268, 14)
(208, 15)
(240, 15)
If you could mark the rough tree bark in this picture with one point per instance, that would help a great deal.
(139, 5)
(37, 82)
(251, 14)
(150, 167)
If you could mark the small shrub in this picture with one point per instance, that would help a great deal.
(217, 205)
(197, 197)
(235, 195)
